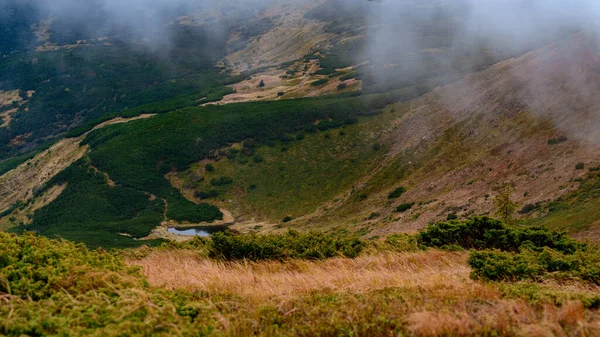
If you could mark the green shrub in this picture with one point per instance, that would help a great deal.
(287, 219)
(59, 288)
(286, 138)
(311, 128)
(528, 208)
(221, 181)
(373, 215)
(313, 245)
(556, 141)
(536, 265)
(326, 71)
(397, 193)
(502, 266)
(329, 124)
(349, 76)
(35, 267)
(209, 168)
(486, 233)
(404, 207)
(342, 86)
(206, 195)
(580, 166)
(452, 216)
(320, 82)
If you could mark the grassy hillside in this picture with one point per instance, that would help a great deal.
(452, 150)
(132, 159)
(332, 162)
(392, 287)
(291, 176)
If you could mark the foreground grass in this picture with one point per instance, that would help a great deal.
(58, 288)
(418, 294)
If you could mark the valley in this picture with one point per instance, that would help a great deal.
(299, 168)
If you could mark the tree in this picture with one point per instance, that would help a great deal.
(262, 84)
(505, 206)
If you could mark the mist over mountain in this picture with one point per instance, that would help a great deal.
(82, 60)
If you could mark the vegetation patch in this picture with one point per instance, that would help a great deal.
(291, 245)
(397, 193)
(537, 265)
(512, 253)
(574, 211)
(404, 207)
(486, 233)
(58, 288)
(91, 211)
(558, 140)
(138, 154)
(320, 82)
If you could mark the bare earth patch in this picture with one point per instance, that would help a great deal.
(279, 84)
(6, 99)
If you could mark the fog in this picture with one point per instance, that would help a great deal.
(506, 28)
(508, 25)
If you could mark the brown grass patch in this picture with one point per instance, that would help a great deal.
(426, 293)
(444, 273)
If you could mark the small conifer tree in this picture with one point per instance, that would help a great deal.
(506, 208)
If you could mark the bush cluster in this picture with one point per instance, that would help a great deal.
(397, 193)
(556, 141)
(404, 207)
(486, 233)
(312, 245)
(512, 253)
(207, 195)
(536, 265)
(221, 181)
(320, 82)
(36, 268)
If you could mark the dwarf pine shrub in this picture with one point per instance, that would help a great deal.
(486, 233)
(293, 244)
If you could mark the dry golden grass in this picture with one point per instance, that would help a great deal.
(431, 293)
(260, 280)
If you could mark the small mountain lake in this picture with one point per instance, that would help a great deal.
(204, 231)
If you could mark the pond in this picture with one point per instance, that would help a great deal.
(204, 231)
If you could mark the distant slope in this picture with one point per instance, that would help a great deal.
(529, 122)
(121, 188)
(333, 162)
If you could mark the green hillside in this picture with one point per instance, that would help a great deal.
(135, 157)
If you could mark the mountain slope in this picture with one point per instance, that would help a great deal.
(527, 122)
